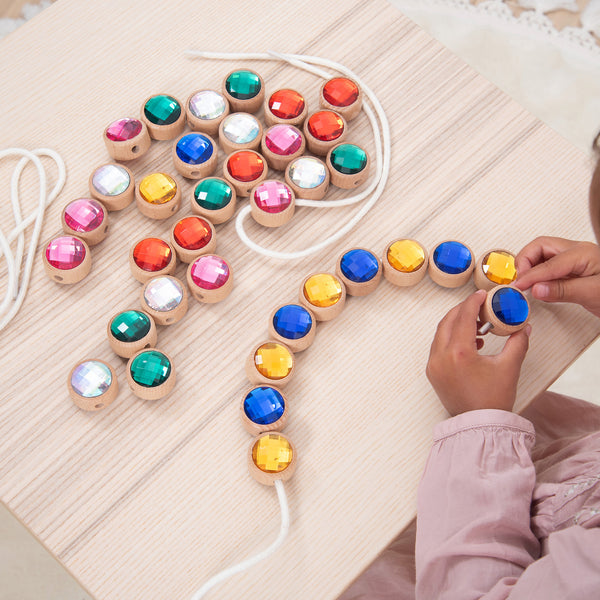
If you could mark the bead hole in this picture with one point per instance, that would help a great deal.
(147, 346)
(106, 229)
(58, 278)
(195, 174)
(99, 405)
(174, 208)
(135, 149)
(169, 320)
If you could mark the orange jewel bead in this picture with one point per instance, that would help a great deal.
(245, 165)
(152, 254)
(192, 233)
(286, 104)
(325, 125)
(340, 92)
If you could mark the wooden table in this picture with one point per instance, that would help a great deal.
(147, 500)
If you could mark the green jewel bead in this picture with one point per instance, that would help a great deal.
(213, 194)
(243, 85)
(130, 326)
(150, 368)
(348, 159)
(162, 110)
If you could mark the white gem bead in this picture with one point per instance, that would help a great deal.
(91, 379)
(307, 172)
(240, 128)
(207, 105)
(163, 294)
(111, 180)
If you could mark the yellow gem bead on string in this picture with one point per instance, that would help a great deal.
(496, 267)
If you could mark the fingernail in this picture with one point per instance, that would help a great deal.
(527, 330)
(541, 290)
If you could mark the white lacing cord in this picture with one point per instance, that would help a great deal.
(382, 150)
(15, 290)
(250, 562)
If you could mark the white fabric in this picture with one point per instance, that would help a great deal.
(28, 12)
(549, 5)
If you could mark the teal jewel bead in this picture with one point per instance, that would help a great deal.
(213, 194)
(162, 110)
(243, 84)
(130, 326)
(348, 159)
(150, 368)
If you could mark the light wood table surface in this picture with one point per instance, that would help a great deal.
(147, 500)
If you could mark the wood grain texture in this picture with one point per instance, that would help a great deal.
(149, 499)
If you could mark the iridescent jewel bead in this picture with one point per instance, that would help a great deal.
(239, 130)
(510, 306)
(195, 155)
(157, 196)
(165, 299)
(126, 139)
(215, 199)
(404, 263)
(360, 271)
(92, 384)
(151, 257)
(308, 177)
(499, 267)
(205, 111)
(163, 116)
(87, 219)
(324, 294)
(270, 361)
(191, 237)
(210, 278)
(67, 259)
(150, 374)
(243, 170)
(264, 405)
(130, 331)
(342, 95)
(285, 106)
(272, 203)
(272, 453)
(451, 264)
(113, 185)
(294, 326)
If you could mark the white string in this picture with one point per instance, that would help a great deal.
(15, 291)
(250, 562)
(382, 150)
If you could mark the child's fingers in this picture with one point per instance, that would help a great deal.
(566, 264)
(541, 249)
(464, 330)
(515, 349)
(582, 290)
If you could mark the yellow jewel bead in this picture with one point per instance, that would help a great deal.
(273, 360)
(158, 188)
(323, 290)
(406, 256)
(272, 453)
(499, 267)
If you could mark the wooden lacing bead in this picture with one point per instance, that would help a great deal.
(130, 331)
(451, 264)
(126, 139)
(151, 257)
(270, 363)
(294, 325)
(157, 196)
(323, 131)
(405, 262)
(244, 169)
(93, 384)
(240, 131)
(276, 420)
(324, 295)
(164, 116)
(164, 298)
(195, 155)
(281, 144)
(285, 106)
(505, 309)
(215, 199)
(205, 109)
(348, 165)
(192, 237)
(342, 95)
(359, 270)
(210, 278)
(67, 259)
(272, 203)
(308, 177)
(244, 90)
(151, 374)
(496, 267)
(282, 447)
(113, 185)
(85, 218)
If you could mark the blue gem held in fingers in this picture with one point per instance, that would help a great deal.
(359, 265)
(194, 148)
(292, 321)
(452, 257)
(264, 405)
(510, 306)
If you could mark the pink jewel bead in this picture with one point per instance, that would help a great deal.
(283, 140)
(272, 196)
(84, 215)
(65, 252)
(123, 129)
(209, 272)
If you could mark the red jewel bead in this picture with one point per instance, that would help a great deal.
(286, 104)
(192, 233)
(152, 254)
(325, 125)
(245, 165)
(340, 92)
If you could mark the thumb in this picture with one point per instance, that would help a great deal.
(516, 347)
(581, 290)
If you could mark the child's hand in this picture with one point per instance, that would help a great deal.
(465, 380)
(561, 271)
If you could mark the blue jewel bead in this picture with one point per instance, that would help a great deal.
(194, 148)
(292, 321)
(359, 265)
(452, 257)
(510, 306)
(264, 405)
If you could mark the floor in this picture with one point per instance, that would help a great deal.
(28, 571)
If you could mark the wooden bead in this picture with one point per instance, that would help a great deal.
(305, 326)
(359, 270)
(67, 259)
(205, 109)
(405, 262)
(164, 298)
(342, 95)
(518, 301)
(189, 161)
(323, 131)
(215, 199)
(240, 131)
(244, 90)
(92, 384)
(324, 295)
(113, 185)
(348, 165)
(281, 144)
(251, 426)
(244, 169)
(192, 237)
(308, 177)
(454, 258)
(285, 106)
(130, 331)
(269, 478)
(85, 218)
(157, 196)
(270, 362)
(210, 278)
(151, 257)
(496, 267)
(164, 116)
(127, 139)
(162, 385)
(272, 203)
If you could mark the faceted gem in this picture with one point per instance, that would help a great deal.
(340, 92)
(245, 165)
(406, 256)
(452, 257)
(292, 321)
(91, 378)
(307, 172)
(348, 159)
(209, 272)
(286, 104)
(499, 267)
(163, 294)
(323, 290)
(158, 188)
(152, 254)
(207, 105)
(240, 128)
(272, 453)
(150, 368)
(192, 233)
(213, 194)
(283, 140)
(510, 306)
(111, 180)
(123, 130)
(359, 265)
(130, 326)
(325, 125)
(243, 84)
(162, 110)
(84, 215)
(194, 149)
(272, 196)
(273, 360)
(264, 405)
(65, 252)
